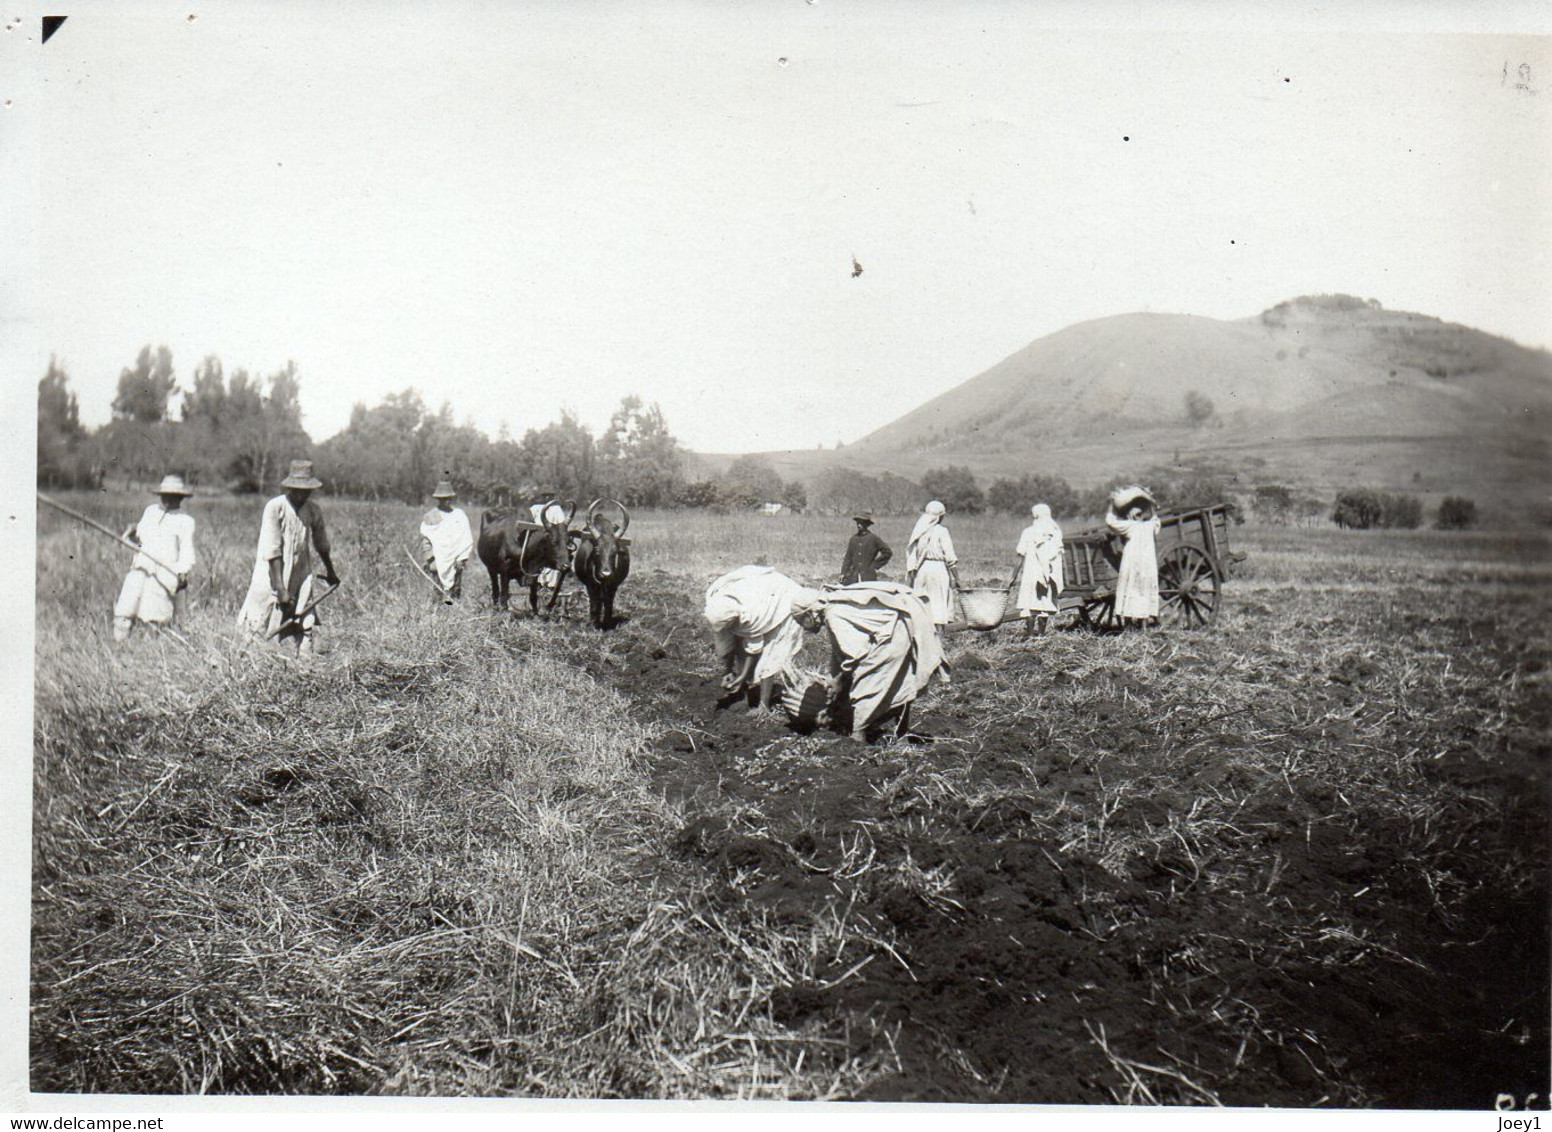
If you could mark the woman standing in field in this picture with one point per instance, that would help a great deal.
(930, 562)
(757, 639)
(165, 535)
(884, 650)
(1137, 583)
(1039, 569)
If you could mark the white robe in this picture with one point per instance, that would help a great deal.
(451, 541)
(930, 556)
(289, 535)
(147, 593)
(1137, 581)
(551, 514)
(750, 610)
(881, 634)
(1040, 582)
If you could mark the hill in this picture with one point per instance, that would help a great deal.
(1321, 392)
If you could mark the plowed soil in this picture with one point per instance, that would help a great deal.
(1284, 861)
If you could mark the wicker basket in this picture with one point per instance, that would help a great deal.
(806, 702)
(985, 608)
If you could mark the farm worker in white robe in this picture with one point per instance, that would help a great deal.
(884, 650)
(165, 535)
(446, 541)
(289, 531)
(757, 639)
(1137, 583)
(930, 562)
(1039, 569)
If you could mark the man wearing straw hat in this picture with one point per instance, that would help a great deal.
(290, 530)
(866, 553)
(446, 541)
(165, 535)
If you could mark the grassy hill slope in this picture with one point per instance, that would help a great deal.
(1319, 392)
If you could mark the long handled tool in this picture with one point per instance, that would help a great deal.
(298, 618)
(422, 571)
(96, 526)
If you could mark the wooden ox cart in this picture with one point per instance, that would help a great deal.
(1194, 559)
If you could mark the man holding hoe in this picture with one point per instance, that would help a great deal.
(280, 597)
(165, 536)
(446, 542)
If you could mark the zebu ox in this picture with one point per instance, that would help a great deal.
(512, 546)
(602, 559)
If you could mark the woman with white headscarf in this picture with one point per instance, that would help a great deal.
(751, 610)
(1137, 582)
(930, 562)
(1039, 569)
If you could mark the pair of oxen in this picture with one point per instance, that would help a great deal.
(516, 548)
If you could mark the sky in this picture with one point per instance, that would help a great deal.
(520, 208)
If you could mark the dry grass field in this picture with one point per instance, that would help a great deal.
(1299, 858)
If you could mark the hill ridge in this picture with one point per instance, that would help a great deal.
(1322, 391)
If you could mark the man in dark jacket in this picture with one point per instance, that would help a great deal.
(866, 553)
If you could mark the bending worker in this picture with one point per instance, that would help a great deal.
(757, 640)
(884, 651)
(446, 542)
(165, 535)
(289, 531)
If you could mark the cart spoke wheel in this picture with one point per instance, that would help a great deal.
(1188, 587)
(1099, 613)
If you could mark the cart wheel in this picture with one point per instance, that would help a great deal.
(1099, 613)
(1188, 587)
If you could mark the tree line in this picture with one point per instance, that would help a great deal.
(238, 431)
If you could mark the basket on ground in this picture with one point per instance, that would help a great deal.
(985, 608)
(805, 701)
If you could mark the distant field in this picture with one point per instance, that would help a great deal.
(1298, 859)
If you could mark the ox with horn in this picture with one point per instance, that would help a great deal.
(523, 544)
(602, 558)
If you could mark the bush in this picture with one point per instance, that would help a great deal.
(1192, 491)
(837, 491)
(700, 493)
(1309, 509)
(1273, 504)
(1364, 508)
(1401, 512)
(1357, 510)
(1015, 497)
(1456, 514)
(955, 487)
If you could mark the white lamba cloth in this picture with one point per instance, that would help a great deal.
(751, 609)
(451, 541)
(166, 541)
(1137, 581)
(929, 556)
(1040, 583)
(290, 535)
(884, 637)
